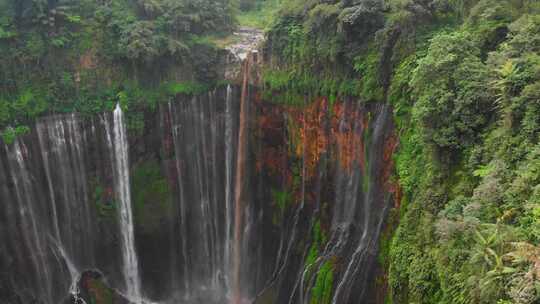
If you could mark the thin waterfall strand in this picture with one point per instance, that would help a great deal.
(240, 168)
(121, 173)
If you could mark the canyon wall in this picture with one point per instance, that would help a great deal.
(156, 213)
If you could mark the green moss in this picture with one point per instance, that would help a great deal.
(282, 199)
(322, 291)
(313, 254)
(9, 135)
(291, 87)
(186, 88)
(367, 66)
(135, 122)
(104, 201)
(385, 240)
(261, 16)
(319, 239)
(152, 197)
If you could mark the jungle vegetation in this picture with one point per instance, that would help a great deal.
(463, 77)
(87, 55)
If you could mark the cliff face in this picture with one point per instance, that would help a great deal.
(327, 167)
(316, 179)
(62, 203)
(223, 196)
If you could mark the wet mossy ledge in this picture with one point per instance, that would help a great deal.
(133, 98)
(152, 196)
(93, 288)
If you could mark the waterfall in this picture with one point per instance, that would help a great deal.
(358, 136)
(203, 133)
(357, 269)
(50, 224)
(122, 185)
(229, 142)
(30, 227)
(44, 154)
(68, 205)
(61, 145)
(62, 149)
(239, 195)
(176, 133)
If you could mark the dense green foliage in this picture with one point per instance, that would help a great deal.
(320, 53)
(451, 89)
(87, 55)
(258, 13)
(463, 77)
(469, 164)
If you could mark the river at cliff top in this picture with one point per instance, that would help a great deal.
(245, 40)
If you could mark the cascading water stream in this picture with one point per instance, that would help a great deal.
(229, 142)
(203, 133)
(44, 154)
(62, 148)
(75, 275)
(29, 223)
(239, 195)
(176, 135)
(362, 200)
(372, 219)
(123, 193)
(359, 208)
(206, 132)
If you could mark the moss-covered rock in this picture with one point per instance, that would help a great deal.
(152, 197)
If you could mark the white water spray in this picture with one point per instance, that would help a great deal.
(121, 176)
(74, 274)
